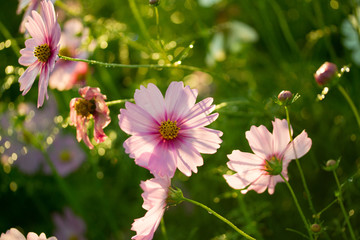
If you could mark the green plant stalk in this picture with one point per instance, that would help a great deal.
(303, 180)
(158, 27)
(298, 206)
(339, 197)
(163, 229)
(120, 101)
(119, 65)
(350, 102)
(209, 210)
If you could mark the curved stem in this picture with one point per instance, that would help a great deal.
(339, 197)
(297, 206)
(351, 103)
(119, 65)
(303, 180)
(110, 103)
(220, 217)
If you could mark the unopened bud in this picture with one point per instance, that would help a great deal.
(175, 196)
(331, 165)
(285, 96)
(315, 228)
(325, 73)
(154, 2)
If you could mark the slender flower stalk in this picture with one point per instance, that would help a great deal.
(120, 101)
(350, 102)
(298, 206)
(303, 180)
(209, 210)
(340, 201)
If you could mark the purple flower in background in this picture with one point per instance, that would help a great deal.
(66, 155)
(69, 226)
(14, 234)
(41, 51)
(67, 74)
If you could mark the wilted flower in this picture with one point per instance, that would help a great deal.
(92, 105)
(325, 73)
(169, 133)
(41, 50)
(14, 234)
(66, 74)
(66, 155)
(273, 153)
(155, 194)
(69, 226)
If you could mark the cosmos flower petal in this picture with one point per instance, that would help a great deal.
(260, 184)
(154, 192)
(27, 79)
(137, 145)
(242, 162)
(260, 141)
(12, 234)
(27, 57)
(302, 144)
(43, 84)
(204, 140)
(281, 135)
(151, 100)
(199, 111)
(35, 27)
(200, 122)
(179, 100)
(188, 158)
(162, 162)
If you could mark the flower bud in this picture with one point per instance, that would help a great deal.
(154, 2)
(331, 165)
(325, 73)
(315, 228)
(285, 96)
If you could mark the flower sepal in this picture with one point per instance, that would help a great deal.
(273, 166)
(175, 196)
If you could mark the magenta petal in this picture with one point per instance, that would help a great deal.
(302, 144)
(260, 141)
(162, 161)
(151, 100)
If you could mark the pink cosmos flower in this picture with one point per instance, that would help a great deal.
(82, 109)
(14, 234)
(169, 133)
(67, 74)
(41, 50)
(155, 194)
(273, 153)
(69, 226)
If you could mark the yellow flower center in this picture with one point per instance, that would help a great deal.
(42, 52)
(65, 156)
(85, 107)
(168, 129)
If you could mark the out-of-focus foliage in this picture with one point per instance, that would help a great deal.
(247, 52)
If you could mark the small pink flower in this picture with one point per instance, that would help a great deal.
(273, 153)
(169, 133)
(92, 105)
(68, 226)
(41, 50)
(155, 194)
(14, 234)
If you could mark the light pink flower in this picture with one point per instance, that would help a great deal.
(69, 226)
(169, 133)
(273, 153)
(41, 50)
(14, 234)
(67, 74)
(92, 105)
(155, 194)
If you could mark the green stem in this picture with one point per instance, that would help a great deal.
(119, 65)
(158, 27)
(7, 35)
(303, 180)
(209, 210)
(351, 103)
(339, 197)
(110, 103)
(163, 229)
(325, 208)
(297, 206)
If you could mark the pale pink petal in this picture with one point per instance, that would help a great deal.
(134, 119)
(27, 57)
(12, 234)
(199, 111)
(260, 141)
(73, 111)
(162, 161)
(204, 140)
(27, 79)
(137, 145)
(260, 184)
(302, 144)
(146, 226)
(36, 28)
(188, 158)
(273, 181)
(179, 100)
(199, 122)
(155, 192)
(48, 15)
(242, 162)
(43, 84)
(281, 136)
(151, 100)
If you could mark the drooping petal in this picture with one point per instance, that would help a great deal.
(179, 100)
(281, 136)
(43, 84)
(260, 141)
(155, 192)
(27, 79)
(152, 101)
(298, 148)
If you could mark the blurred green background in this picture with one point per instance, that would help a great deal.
(250, 51)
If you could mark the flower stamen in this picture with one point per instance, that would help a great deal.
(168, 129)
(42, 52)
(85, 107)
